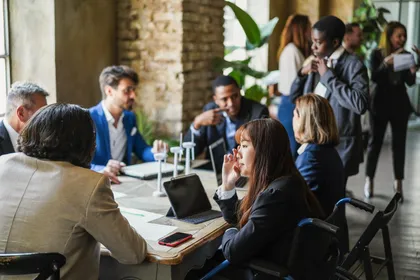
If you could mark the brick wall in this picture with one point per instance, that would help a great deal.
(170, 43)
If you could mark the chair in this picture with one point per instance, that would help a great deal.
(46, 265)
(307, 260)
(361, 250)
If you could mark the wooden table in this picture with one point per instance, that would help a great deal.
(165, 262)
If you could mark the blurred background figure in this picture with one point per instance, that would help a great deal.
(353, 37)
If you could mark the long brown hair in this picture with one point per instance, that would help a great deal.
(273, 160)
(385, 41)
(317, 121)
(295, 32)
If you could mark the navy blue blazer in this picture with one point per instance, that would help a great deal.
(6, 146)
(323, 171)
(269, 231)
(135, 143)
(348, 94)
(250, 110)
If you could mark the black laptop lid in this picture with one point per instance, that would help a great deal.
(217, 150)
(187, 195)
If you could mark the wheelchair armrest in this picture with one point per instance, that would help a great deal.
(332, 229)
(268, 268)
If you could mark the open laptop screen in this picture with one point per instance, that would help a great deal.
(217, 150)
(187, 196)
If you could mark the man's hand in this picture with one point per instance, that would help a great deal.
(311, 67)
(112, 169)
(322, 66)
(159, 146)
(210, 117)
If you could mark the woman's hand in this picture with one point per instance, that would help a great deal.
(389, 60)
(231, 171)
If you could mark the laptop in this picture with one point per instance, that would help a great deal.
(150, 170)
(217, 150)
(189, 200)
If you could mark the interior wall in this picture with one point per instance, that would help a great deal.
(85, 44)
(32, 43)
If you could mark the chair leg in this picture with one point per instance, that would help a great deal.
(367, 265)
(388, 253)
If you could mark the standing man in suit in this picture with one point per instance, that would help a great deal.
(23, 100)
(116, 126)
(342, 79)
(353, 37)
(223, 116)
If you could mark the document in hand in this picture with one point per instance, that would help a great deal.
(403, 61)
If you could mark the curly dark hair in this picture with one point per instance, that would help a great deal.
(112, 75)
(60, 132)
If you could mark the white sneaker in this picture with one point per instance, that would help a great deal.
(368, 190)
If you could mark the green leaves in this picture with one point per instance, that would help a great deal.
(145, 126)
(248, 24)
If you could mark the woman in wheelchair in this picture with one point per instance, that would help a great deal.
(319, 163)
(263, 222)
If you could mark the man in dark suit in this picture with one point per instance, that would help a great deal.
(342, 79)
(23, 100)
(223, 116)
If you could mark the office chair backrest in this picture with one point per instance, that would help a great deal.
(44, 264)
(314, 252)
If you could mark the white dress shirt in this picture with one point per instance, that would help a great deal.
(291, 60)
(223, 195)
(302, 148)
(13, 135)
(117, 135)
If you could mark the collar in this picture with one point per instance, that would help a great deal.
(335, 56)
(302, 148)
(108, 116)
(13, 135)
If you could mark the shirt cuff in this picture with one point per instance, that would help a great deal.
(224, 195)
(195, 131)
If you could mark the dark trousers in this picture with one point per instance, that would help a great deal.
(399, 133)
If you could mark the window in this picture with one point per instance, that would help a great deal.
(4, 56)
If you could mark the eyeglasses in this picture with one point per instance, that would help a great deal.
(129, 89)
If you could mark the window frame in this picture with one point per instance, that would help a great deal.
(6, 55)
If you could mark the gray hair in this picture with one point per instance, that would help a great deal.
(21, 94)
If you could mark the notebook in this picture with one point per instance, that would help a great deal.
(189, 200)
(149, 170)
(217, 150)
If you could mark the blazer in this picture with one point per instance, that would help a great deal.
(390, 96)
(323, 171)
(348, 94)
(54, 206)
(6, 146)
(269, 231)
(250, 110)
(135, 142)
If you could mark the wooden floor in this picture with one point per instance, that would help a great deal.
(405, 226)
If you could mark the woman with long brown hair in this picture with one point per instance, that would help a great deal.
(389, 103)
(277, 198)
(294, 48)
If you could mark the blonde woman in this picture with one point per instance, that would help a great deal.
(318, 162)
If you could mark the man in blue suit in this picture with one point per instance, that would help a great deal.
(117, 136)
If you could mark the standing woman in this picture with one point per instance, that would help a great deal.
(390, 103)
(294, 48)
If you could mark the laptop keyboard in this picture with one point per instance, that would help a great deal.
(202, 217)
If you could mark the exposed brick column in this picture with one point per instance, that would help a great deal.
(170, 43)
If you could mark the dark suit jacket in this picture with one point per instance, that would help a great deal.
(6, 146)
(390, 96)
(135, 143)
(250, 110)
(269, 231)
(348, 93)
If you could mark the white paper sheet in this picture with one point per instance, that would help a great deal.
(142, 215)
(148, 231)
(403, 61)
(118, 195)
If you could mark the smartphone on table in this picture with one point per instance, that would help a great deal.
(175, 239)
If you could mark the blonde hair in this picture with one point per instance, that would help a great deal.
(317, 123)
(295, 32)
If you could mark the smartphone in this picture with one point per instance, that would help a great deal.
(174, 239)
